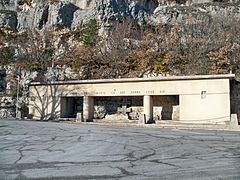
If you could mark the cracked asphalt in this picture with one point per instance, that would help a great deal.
(47, 150)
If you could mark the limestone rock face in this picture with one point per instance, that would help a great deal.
(33, 18)
(8, 19)
(198, 13)
(7, 107)
(59, 14)
(139, 10)
(74, 13)
(81, 16)
(84, 4)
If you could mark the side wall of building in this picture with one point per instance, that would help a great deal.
(215, 108)
(206, 106)
(45, 102)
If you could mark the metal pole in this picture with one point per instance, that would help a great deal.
(18, 78)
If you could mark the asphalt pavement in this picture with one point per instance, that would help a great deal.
(48, 150)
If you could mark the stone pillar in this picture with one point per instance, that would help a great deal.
(234, 121)
(88, 105)
(148, 107)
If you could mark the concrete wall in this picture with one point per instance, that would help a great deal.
(44, 102)
(201, 100)
(215, 108)
(177, 87)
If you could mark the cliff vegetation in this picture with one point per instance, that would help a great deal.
(62, 40)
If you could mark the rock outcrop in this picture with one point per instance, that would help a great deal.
(7, 107)
(7, 104)
(8, 19)
(20, 14)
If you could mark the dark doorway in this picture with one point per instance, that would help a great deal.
(126, 105)
(70, 106)
(166, 107)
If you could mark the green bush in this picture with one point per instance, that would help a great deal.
(160, 68)
(90, 33)
(33, 66)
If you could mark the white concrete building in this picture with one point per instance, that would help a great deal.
(190, 99)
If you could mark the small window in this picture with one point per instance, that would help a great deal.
(203, 94)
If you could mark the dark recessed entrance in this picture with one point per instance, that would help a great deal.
(131, 106)
(70, 106)
(166, 107)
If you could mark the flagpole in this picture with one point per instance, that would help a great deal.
(17, 104)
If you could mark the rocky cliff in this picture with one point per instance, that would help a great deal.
(22, 14)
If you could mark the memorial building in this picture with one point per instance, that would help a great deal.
(187, 99)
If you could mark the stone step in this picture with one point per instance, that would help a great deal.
(189, 123)
(115, 121)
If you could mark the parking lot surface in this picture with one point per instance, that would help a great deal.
(47, 150)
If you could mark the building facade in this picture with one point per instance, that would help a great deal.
(190, 99)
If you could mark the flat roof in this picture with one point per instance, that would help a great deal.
(120, 80)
